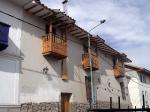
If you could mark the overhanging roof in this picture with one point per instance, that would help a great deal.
(136, 68)
(60, 19)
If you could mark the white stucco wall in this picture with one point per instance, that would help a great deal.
(10, 58)
(103, 77)
(37, 87)
(32, 85)
(135, 89)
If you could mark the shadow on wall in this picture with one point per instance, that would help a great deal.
(10, 57)
(33, 79)
(56, 66)
(105, 81)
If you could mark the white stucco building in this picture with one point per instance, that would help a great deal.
(55, 74)
(138, 85)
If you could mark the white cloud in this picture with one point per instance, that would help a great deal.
(127, 23)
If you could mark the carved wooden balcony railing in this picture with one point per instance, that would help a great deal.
(55, 46)
(94, 60)
(118, 71)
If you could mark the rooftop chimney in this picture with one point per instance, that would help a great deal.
(65, 6)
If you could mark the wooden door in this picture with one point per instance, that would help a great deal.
(65, 105)
(88, 88)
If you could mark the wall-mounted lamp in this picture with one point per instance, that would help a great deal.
(33, 2)
(30, 1)
(45, 70)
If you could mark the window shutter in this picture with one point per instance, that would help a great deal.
(4, 30)
(88, 88)
(64, 71)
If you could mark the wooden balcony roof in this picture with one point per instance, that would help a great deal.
(62, 20)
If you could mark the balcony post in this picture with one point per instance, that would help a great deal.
(50, 26)
(65, 33)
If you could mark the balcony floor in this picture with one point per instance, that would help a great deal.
(54, 55)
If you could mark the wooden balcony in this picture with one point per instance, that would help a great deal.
(55, 46)
(118, 71)
(94, 59)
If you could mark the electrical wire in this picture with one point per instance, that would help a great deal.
(22, 20)
(29, 23)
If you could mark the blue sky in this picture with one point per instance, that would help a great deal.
(127, 26)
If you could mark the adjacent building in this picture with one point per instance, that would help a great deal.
(138, 85)
(44, 62)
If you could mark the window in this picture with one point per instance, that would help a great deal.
(114, 61)
(149, 80)
(4, 30)
(123, 90)
(47, 29)
(140, 75)
(142, 92)
(54, 30)
(146, 95)
(142, 78)
(85, 48)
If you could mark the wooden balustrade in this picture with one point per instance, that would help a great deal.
(94, 60)
(118, 71)
(55, 46)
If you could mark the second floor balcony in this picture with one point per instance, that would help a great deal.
(118, 71)
(55, 46)
(86, 61)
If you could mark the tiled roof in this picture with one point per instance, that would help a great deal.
(136, 68)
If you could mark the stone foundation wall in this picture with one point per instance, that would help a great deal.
(79, 107)
(52, 107)
(41, 107)
(56, 107)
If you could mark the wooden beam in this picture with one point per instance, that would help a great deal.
(50, 16)
(73, 30)
(107, 51)
(80, 35)
(76, 33)
(46, 14)
(60, 22)
(83, 37)
(38, 11)
(31, 7)
(59, 17)
(68, 25)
